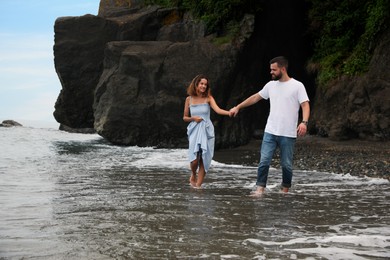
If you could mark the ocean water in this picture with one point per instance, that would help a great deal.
(74, 196)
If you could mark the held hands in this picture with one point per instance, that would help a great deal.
(233, 111)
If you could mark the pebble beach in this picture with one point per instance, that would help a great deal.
(313, 153)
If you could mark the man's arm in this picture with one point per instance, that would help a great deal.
(246, 103)
(302, 127)
(305, 111)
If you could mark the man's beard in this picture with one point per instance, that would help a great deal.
(276, 77)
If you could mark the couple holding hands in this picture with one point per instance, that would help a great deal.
(287, 96)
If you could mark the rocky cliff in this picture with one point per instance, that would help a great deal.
(124, 74)
(357, 107)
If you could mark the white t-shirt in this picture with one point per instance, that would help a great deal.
(285, 101)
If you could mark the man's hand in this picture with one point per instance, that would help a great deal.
(302, 129)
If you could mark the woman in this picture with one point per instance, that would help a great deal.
(200, 130)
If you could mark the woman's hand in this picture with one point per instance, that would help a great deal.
(197, 119)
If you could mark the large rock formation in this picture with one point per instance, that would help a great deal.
(358, 107)
(139, 99)
(124, 73)
(79, 53)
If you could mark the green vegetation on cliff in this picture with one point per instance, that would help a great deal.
(345, 32)
(220, 16)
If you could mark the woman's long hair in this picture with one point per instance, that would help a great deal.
(191, 90)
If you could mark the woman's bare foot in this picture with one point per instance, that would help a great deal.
(196, 187)
(193, 180)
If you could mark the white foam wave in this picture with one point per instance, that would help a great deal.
(224, 165)
(161, 158)
(172, 159)
(334, 246)
(337, 253)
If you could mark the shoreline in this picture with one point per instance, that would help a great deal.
(314, 153)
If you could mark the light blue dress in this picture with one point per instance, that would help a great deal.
(201, 135)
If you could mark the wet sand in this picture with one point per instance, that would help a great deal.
(313, 153)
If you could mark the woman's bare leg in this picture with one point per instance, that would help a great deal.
(194, 167)
(201, 174)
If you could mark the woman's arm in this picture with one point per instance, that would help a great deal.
(216, 108)
(186, 115)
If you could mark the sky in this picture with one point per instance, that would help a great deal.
(29, 85)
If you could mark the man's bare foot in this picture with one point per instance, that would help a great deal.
(284, 189)
(258, 192)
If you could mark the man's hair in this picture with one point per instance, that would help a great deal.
(281, 61)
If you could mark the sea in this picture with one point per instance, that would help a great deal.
(76, 196)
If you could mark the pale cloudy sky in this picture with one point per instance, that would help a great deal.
(29, 85)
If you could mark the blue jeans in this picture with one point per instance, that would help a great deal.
(268, 147)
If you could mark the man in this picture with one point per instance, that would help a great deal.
(286, 96)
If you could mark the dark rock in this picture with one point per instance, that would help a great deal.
(125, 73)
(143, 25)
(10, 123)
(358, 107)
(79, 48)
(140, 97)
(181, 32)
(114, 8)
(258, 134)
(79, 51)
(77, 130)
